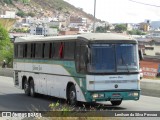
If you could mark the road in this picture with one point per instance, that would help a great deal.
(13, 99)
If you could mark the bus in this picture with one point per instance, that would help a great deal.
(90, 67)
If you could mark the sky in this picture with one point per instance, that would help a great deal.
(121, 11)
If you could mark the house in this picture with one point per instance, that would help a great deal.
(144, 26)
(150, 47)
(129, 27)
(155, 25)
(43, 29)
(151, 63)
(8, 14)
(76, 22)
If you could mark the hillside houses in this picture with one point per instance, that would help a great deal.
(8, 14)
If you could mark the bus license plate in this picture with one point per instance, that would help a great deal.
(115, 99)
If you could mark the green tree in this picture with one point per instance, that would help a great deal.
(120, 28)
(21, 13)
(136, 32)
(31, 14)
(101, 29)
(6, 47)
(8, 1)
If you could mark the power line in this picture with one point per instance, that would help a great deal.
(144, 3)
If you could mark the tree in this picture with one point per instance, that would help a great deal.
(25, 1)
(8, 1)
(101, 29)
(120, 28)
(6, 47)
(136, 32)
(31, 14)
(21, 13)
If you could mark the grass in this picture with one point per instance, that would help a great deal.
(66, 112)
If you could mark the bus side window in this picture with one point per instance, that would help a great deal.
(20, 50)
(29, 50)
(15, 51)
(50, 50)
(69, 48)
(25, 51)
(38, 50)
(56, 50)
(61, 50)
(33, 50)
(53, 50)
(46, 47)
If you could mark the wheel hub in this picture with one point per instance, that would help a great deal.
(72, 95)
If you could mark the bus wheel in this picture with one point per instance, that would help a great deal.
(115, 103)
(32, 91)
(26, 88)
(72, 96)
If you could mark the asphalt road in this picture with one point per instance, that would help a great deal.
(13, 99)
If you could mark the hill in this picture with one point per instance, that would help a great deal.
(44, 8)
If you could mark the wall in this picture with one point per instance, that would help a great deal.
(150, 68)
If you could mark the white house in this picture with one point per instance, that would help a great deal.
(31, 20)
(9, 14)
(43, 30)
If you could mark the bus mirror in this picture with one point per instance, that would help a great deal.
(140, 54)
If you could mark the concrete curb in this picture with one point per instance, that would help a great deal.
(148, 87)
(8, 72)
(150, 84)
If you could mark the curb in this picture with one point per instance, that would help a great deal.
(8, 72)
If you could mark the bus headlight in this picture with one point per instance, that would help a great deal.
(135, 94)
(96, 95)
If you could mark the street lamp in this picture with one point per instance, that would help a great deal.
(94, 16)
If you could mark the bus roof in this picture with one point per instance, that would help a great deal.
(105, 36)
(35, 38)
(87, 37)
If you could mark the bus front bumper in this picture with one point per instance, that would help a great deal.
(93, 96)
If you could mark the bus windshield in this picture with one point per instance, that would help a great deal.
(113, 58)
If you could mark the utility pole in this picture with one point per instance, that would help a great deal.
(94, 16)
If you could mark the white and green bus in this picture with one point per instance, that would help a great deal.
(90, 68)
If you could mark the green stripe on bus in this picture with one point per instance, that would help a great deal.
(67, 65)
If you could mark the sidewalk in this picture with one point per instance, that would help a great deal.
(150, 84)
(8, 72)
(150, 87)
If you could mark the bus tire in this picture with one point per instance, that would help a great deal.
(32, 90)
(26, 88)
(72, 97)
(116, 103)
